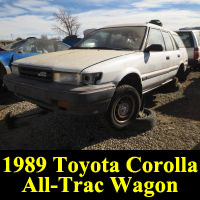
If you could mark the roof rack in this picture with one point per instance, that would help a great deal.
(156, 22)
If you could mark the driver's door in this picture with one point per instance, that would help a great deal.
(155, 63)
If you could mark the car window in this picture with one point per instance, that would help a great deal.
(198, 37)
(178, 41)
(176, 47)
(27, 47)
(15, 45)
(155, 37)
(168, 41)
(98, 39)
(49, 45)
(41, 46)
(187, 39)
(119, 38)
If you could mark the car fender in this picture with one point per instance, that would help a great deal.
(6, 64)
(126, 72)
(115, 70)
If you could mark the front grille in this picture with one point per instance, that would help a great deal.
(38, 74)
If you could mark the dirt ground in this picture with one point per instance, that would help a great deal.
(178, 125)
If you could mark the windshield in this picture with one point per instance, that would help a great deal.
(121, 38)
(14, 45)
(34, 45)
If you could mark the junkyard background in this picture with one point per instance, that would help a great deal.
(177, 115)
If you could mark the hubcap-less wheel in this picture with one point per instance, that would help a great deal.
(123, 109)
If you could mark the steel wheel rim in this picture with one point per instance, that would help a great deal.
(123, 109)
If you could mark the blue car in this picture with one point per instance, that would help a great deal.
(26, 48)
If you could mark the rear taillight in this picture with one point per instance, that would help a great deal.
(196, 53)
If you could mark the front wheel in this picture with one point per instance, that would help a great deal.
(124, 107)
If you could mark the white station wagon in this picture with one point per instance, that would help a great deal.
(107, 72)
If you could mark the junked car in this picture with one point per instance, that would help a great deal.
(107, 72)
(26, 48)
(191, 40)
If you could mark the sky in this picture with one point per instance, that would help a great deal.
(25, 18)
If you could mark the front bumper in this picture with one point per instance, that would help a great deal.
(78, 100)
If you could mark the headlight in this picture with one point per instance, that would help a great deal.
(67, 78)
(91, 79)
(15, 69)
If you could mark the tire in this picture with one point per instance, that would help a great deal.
(181, 75)
(123, 109)
(175, 85)
(146, 120)
(172, 86)
(2, 74)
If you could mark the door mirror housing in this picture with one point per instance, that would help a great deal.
(154, 48)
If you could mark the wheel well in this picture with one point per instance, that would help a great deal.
(132, 80)
(182, 66)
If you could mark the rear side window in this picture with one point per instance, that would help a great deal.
(187, 39)
(155, 37)
(198, 37)
(168, 41)
(178, 41)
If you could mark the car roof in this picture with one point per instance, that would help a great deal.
(189, 30)
(136, 24)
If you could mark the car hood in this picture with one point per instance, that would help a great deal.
(71, 60)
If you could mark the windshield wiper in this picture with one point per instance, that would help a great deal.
(124, 49)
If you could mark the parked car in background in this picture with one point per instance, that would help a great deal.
(191, 40)
(88, 31)
(71, 40)
(26, 48)
(107, 72)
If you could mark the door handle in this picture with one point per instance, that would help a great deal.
(167, 58)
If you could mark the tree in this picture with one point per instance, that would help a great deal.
(67, 24)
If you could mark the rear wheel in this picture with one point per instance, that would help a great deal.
(174, 85)
(181, 75)
(124, 107)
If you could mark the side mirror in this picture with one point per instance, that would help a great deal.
(154, 47)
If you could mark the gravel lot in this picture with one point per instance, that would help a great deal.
(178, 125)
